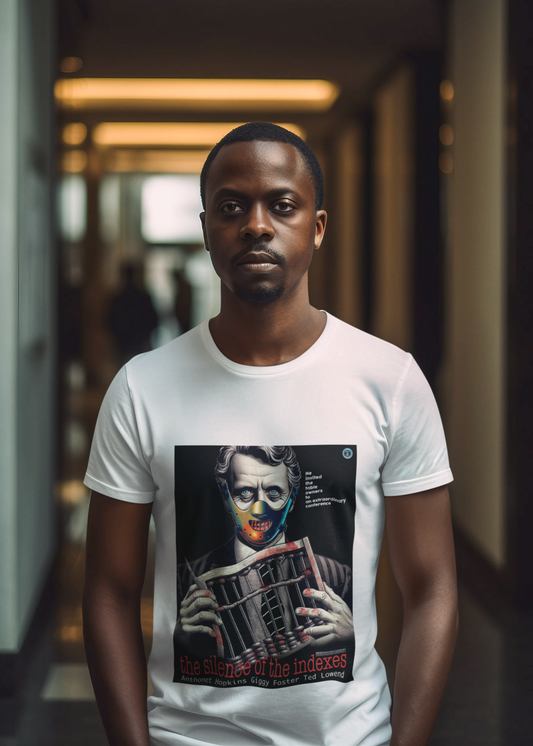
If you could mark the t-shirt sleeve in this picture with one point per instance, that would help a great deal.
(117, 465)
(418, 457)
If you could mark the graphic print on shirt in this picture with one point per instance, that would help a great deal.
(264, 538)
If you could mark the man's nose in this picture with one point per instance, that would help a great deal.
(258, 223)
(258, 508)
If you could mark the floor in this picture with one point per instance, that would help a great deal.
(488, 702)
(57, 706)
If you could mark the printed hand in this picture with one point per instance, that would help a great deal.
(337, 615)
(198, 612)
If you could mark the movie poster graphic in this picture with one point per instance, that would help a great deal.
(264, 539)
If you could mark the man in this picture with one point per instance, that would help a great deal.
(270, 368)
(259, 486)
(132, 316)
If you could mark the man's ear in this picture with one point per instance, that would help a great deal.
(202, 220)
(320, 227)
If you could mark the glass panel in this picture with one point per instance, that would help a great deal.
(72, 203)
(109, 208)
(170, 209)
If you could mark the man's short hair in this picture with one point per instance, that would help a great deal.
(273, 455)
(268, 132)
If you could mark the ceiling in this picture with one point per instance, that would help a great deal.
(349, 41)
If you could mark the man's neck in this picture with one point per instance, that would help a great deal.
(264, 335)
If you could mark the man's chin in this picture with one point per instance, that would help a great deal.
(260, 294)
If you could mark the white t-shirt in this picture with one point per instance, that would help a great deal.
(357, 420)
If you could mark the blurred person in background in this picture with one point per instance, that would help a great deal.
(132, 316)
(183, 302)
(269, 368)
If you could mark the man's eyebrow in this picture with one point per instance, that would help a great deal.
(282, 191)
(227, 191)
(272, 193)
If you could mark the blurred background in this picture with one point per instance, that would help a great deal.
(421, 113)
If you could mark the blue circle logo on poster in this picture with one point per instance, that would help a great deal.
(347, 453)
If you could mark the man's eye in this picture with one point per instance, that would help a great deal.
(231, 207)
(245, 493)
(284, 207)
(274, 492)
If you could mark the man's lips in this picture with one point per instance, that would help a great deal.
(257, 258)
(260, 525)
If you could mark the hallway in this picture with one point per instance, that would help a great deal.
(421, 115)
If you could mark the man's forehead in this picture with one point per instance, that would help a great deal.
(243, 465)
(264, 157)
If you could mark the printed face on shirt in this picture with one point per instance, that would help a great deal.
(260, 222)
(254, 481)
(259, 493)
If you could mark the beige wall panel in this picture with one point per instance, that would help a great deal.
(394, 209)
(474, 373)
(348, 169)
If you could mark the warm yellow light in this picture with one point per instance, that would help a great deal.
(74, 134)
(445, 88)
(70, 64)
(446, 134)
(71, 491)
(74, 161)
(156, 161)
(446, 162)
(196, 93)
(184, 134)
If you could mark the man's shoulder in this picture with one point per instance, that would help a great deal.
(354, 339)
(181, 354)
(371, 356)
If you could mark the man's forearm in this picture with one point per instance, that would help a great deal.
(116, 658)
(423, 664)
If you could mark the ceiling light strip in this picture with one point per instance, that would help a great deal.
(200, 93)
(155, 161)
(170, 134)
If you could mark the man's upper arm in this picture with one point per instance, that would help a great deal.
(420, 543)
(117, 540)
(119, 465)
(417, 459)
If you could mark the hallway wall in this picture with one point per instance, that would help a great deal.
(474, 376)
(27, 268)
(348, 196)
(392, 313)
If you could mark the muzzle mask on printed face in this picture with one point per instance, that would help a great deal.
(259, 524)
